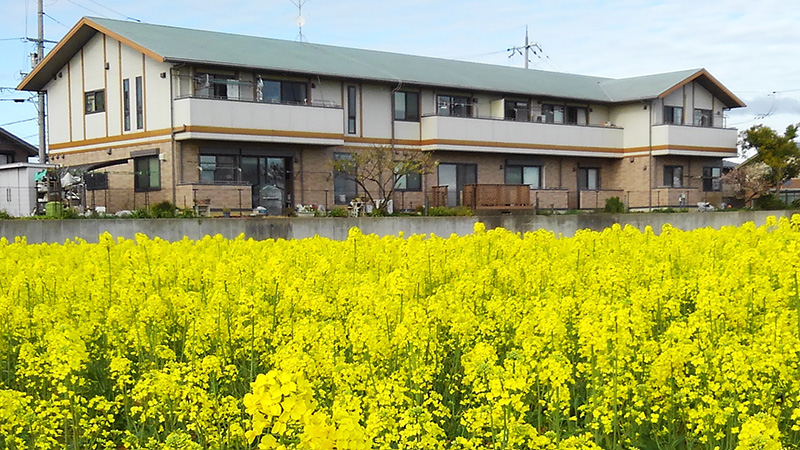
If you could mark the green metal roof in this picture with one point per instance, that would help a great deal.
(182, 45)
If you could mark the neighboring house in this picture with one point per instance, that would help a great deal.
(14, 149)
(192, 116)
(790, 192)
(18, 196)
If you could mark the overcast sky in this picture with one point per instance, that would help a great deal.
(752, 47)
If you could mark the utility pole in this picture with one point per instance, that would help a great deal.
(525, 49)
(39, 58)
(527, 45)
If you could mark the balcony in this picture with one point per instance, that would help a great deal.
(221, 119)
(502, 136)
(694, 141)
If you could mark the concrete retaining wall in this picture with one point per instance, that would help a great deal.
(56, 231)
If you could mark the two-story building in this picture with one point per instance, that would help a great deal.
(188, 115)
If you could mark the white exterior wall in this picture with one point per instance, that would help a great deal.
(634, 118)
(94, 73)
(58, 108)
(376, 114)
(598, 115)
(113, 87)
(702, 98)
(75, 88)
(156, 95)
(85, 72)
(409, 131)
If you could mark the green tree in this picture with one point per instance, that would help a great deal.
(379, 169)
(779, 153)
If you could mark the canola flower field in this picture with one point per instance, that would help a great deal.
(615, 340)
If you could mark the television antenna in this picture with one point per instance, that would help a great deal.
(300, 20)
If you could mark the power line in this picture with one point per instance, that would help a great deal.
(90, 10)
(18, 121)
(54, 19)
(115, 12)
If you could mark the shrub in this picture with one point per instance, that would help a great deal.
(768, 202)
(164, 210)
(337, 212)
(614, 205)
(445, 211)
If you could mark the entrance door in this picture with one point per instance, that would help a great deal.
(455, 176)
(269, 179)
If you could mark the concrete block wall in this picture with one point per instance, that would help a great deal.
(58, 231)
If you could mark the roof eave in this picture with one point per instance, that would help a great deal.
(732, 101)
(450, 87)
(68, 46)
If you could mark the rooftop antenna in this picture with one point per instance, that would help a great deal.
(300, 20)
(525, 49)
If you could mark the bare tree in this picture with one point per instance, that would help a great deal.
(379, 169)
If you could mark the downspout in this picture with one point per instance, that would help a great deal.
(393, 137)
(172, 138)
(650, 157)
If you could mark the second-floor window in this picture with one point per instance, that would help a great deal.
(673, 115)
(530, 175)
(95, 101)
(673, 176)
(702, 118)
(406, 106)
(577, 115)
(212, 85)
(552, 114)
(126, 104)
(351, 110)
(282, 91)
(139, 103)
(517, 110)
(455, 106)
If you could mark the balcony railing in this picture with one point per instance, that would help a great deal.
(204, 118)
(678, 138)
(497, 196)
(453, 133)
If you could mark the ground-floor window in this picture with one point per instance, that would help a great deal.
(146, 173)
(530, 175)
(218, 168)
(268, 176)
(711, 179)
(588, 178)
(345, 188)
(673, 176)
(455, 177)
(409, 182)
